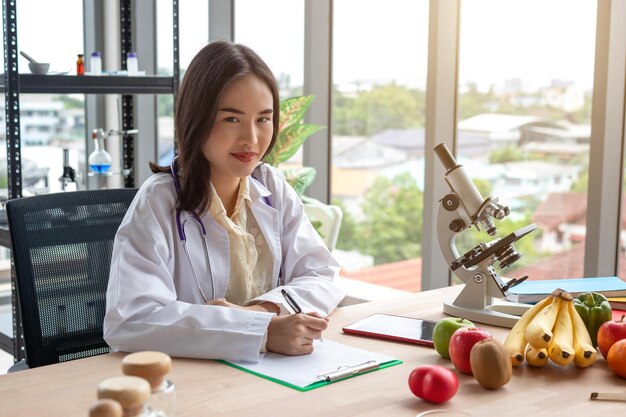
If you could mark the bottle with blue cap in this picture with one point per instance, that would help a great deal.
(95, 63)
(132, 63)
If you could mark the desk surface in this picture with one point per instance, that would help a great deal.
(206, 387)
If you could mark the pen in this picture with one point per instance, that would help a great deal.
(293, 304)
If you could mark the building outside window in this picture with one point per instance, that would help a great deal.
(378, 117)
(524, 123)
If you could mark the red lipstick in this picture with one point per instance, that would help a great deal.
(244, 156)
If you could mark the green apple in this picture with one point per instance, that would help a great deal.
(443, 332)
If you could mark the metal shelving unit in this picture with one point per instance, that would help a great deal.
(89, 84)
(15, 84)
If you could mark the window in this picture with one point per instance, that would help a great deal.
(274, 29)
(193, 23)
(379, 82)
(49, 122)
(524, 114)
(279, 41)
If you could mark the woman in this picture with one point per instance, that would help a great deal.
(208, 244)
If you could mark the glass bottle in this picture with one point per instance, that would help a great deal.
(80, 65)
(99, 159)
(95, 63)
(153, 367)
(132, 63)
(130, 391)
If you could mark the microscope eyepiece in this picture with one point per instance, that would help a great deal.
(445, 156)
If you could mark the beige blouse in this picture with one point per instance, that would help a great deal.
(251, 261)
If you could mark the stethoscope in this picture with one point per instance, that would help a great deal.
(180, 226)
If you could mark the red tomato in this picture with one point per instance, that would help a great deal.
(433, 383)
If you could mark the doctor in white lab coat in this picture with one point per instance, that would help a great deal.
(229, 306)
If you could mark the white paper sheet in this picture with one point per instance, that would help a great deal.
(304, 370)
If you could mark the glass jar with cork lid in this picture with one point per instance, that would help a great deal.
(153, 367)
(106, 407)
(130, 392)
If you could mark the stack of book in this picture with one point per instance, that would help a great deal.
(618, 303)
(534, 291)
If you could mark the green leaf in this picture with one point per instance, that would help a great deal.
(292, 110)
(289, 141)
(300, 178)
(291, 131)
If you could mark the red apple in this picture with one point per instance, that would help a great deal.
(609, 333)
(433, 383)
(461, 344)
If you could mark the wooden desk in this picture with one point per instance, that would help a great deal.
(207, 388)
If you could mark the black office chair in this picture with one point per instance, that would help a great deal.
(62, 246)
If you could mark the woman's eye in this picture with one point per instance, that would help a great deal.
(231, 119)
(264, 120)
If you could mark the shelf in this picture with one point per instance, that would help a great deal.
(90, 84)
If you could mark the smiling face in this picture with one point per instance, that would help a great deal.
(242, 131)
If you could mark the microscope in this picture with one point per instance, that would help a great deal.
(460, 210)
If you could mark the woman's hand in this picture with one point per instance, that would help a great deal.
(263, 306)
(294, 334)
(222, 302)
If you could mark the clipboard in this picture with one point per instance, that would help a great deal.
(330, 362)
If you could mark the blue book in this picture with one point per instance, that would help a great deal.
(534, 291)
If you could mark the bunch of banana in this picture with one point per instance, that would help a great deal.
(551, 329)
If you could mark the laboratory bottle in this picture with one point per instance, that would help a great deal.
(106, 407)
(80, 65)
(132, 63)
(153, 367)
(95, 63)
(99, 159)
(130, 391)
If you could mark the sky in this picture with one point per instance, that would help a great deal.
(536, 40)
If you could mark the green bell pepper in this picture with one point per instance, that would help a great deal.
(594, 309)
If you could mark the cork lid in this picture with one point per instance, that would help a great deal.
(106, 408)
(130, 391)
(150, 365)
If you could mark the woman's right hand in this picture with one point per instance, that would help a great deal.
(294, 334)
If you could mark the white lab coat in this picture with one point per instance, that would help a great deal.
(153, 302)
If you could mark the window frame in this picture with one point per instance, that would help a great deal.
(608, 120)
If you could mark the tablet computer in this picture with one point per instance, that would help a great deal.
(397, 328)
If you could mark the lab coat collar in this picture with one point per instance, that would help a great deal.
(256, 184)
(267, 217)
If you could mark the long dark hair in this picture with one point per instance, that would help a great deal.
(204, 83)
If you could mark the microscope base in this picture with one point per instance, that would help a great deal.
(501, 315)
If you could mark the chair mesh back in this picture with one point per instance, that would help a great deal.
(62, 247)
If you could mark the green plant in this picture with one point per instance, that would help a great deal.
(292, 132)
